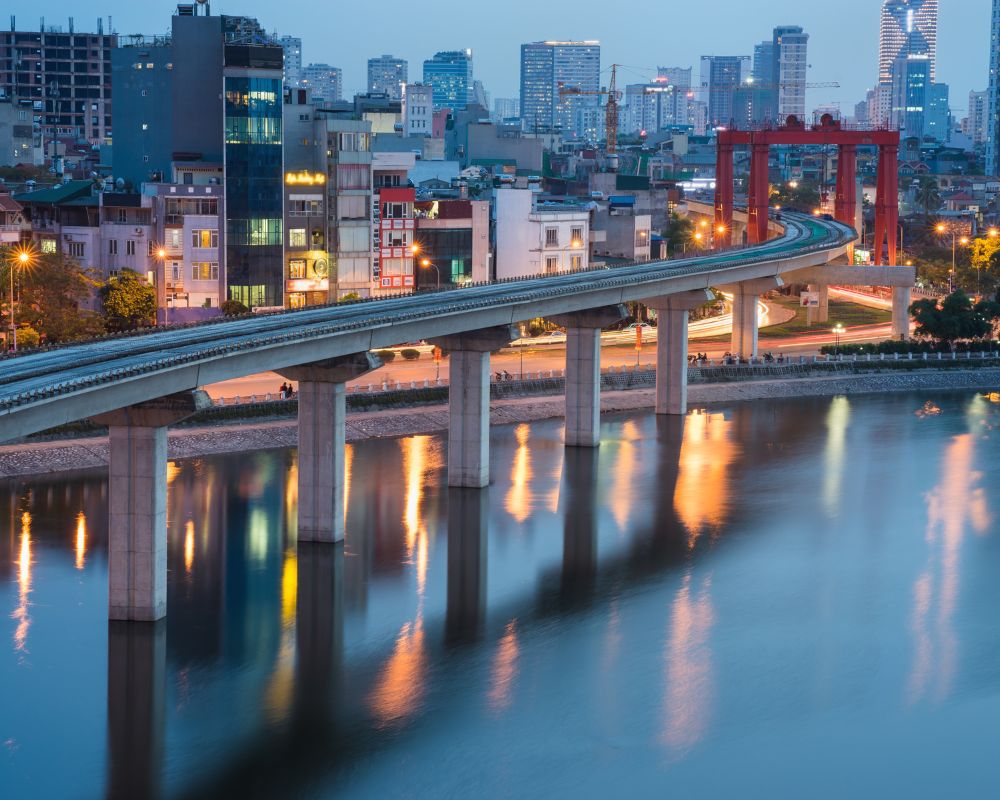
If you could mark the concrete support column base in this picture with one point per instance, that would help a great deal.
(672, 362)
(822, 312)
(469, 403)
(672, 314)
(322, 442)
(137, 500)
(321, 468)
(583, 387)
(901, 299)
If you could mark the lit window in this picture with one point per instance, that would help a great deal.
(297, 268)
(48, 245)
(551, 264)
(205, 271)
(204, 238)
(297, 237)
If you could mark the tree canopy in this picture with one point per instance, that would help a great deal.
(128, 302)
(53, 292)
(955, 318)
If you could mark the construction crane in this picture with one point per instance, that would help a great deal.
(610, 112)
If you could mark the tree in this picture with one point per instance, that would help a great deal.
(677, 233)
(233, 308)
(128, 302)
(796, 196)
(350, 297)
(983, 260)
(53, 292)
(928, 196)
(27, 337)
(955, 318)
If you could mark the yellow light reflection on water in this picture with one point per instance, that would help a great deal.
(504, 669)
(188, 545)
(348, 470)
(172, 472)
(399, 689)
(23, 586)
(280, 690)
(81, 539)
(838, 420)
(690, 686)
(420, 457)
(707, 454)
(518, 500)
(626, 467)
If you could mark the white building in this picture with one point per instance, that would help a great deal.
(386, 75)
(976, 125)
(292, 46)
(326, 82)
(532, 240)
(418, 109)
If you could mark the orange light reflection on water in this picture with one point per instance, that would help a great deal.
(518, 500)
(399, 689)
(23, 586)
(81, 539)
(504, 669)
(707, 454)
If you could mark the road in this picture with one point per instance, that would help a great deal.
(552, 356)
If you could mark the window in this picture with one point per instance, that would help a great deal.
(76, 249)
(175, 271)
(575, 262)
(551, 237)
(297, 237)
(641, 238)
(48, 245)
(354, 176)
(173, 236)
(130, 247)
(204, 238)
(297, 268)
(122, 215)
(304, 208)
(551, 264)
(205, 271)
(395, 211)
(576, 237)
(112, 247)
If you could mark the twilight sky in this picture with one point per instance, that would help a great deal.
(843, 43)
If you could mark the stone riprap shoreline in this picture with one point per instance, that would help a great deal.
(63, 455)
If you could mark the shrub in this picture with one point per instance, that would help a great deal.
(410, 354)
(535, 328)
(387, 356)
(27, 337)
(233, 308)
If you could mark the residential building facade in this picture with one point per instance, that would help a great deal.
(386, 75)
(533, 239)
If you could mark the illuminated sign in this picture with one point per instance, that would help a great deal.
(305, 178)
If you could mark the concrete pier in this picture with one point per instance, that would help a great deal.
(322, 433)
(583, 372)
(137, 704)
(137, 499)
(467, 548)
(746, 297)
(901, 299)
(469, 403)
(822, 312)
(672, 313)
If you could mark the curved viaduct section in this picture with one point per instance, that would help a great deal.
(138, 385)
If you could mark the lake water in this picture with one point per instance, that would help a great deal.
(784, 599)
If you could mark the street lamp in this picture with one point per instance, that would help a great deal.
(955, 241)
(838, 331)
(20, 260)
(425, 263)
(161, 256)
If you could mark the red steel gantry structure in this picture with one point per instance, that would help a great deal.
(795, 132)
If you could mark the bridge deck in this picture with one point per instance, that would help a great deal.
(47, 388)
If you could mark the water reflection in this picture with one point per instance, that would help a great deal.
(24, 562)
(606, 626)
(81, 539)
(838, 420)
(707, 456)
(136, 709)
(958, 503)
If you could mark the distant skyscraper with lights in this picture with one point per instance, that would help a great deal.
(548, 69)
(908, 27)
(993, 101)
(450, 74)
(386, 75)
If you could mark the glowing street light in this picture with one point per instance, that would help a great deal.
(21, 260)
(838, 331)
(426, 264)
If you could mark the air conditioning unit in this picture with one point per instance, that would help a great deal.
(138, 231)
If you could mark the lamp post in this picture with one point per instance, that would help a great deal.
(838, 331)
(161, 256)
(20, 260)
(955, 241)
(425, 263)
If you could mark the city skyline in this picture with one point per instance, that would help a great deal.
(496, 37)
